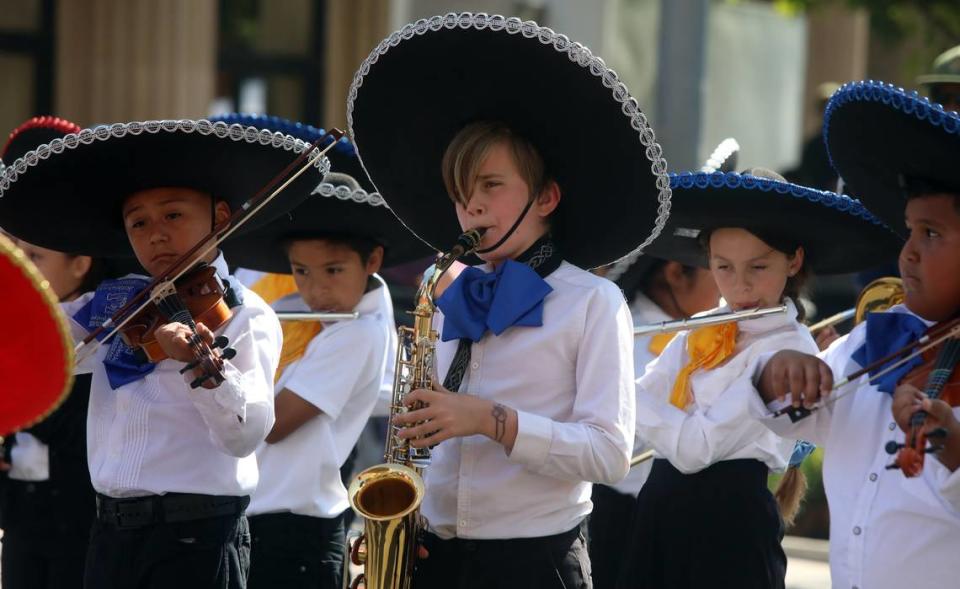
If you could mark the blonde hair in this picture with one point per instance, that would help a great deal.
(790, 492)
(471, 146)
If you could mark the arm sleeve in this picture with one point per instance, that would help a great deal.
(239, 412)
(816, 426)
(595, 445)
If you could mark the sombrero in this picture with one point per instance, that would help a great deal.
(838, 233)
(424, 83)
(67, 194)
(344, 203)
(882, 140)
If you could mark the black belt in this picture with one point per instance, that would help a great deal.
(137, 512)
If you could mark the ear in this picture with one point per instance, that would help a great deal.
(375, 261)
(796, 262)
(80, 265)
(548, 200)
(221, 212)
(676, 278)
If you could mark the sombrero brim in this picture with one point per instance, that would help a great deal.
(67, 195)
(321, 214)
(876, 134)
(837, 233)
(36, 354)
(422, 84)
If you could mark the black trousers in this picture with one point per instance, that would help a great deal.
(719, 527)
(548, 562)
(293, 551)
(610, 533)
(208, 553)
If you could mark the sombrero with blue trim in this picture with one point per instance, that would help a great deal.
(344, 203)
(424, 83)
(885, 142)
(838, 233)
(67, 194)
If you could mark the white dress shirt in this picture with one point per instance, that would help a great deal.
(717, 425)
(340, 373)
(157, 435)
(644, 312)
(887, 531)
(571, 383)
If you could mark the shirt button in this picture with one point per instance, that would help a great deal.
(475, 366)
(463, 523)
(856, 530)
(873, 477)
(892, 426)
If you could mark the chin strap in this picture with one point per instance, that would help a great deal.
(506, 236)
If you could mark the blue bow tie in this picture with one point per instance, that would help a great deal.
(887, 333)
(477, 301)
(122, 363)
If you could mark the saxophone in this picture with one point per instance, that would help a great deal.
(388, 495)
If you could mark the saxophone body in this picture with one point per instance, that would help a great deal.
(388, 495)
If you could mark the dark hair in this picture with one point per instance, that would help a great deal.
(921, 187)
(363, 245)
(787, 246)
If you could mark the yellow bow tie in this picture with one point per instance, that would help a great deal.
(708, 347)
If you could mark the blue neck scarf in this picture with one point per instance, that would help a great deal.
(123, 364)
(477, 301)
(887, 333)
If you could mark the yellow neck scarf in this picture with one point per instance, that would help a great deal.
(708, 347)
(296, 334)
(659, 342)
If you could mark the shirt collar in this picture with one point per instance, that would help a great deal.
(375, 299)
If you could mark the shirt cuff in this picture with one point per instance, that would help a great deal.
(949, 482)
(228, 396)
(534, 437)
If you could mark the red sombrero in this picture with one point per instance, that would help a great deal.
(36, 352)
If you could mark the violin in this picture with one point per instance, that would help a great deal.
(198, 295)
(938, 378)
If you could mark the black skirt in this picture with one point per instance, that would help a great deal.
(719, 527)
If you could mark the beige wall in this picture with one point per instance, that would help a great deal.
(354, 28)
(837, 50)
(121, 60)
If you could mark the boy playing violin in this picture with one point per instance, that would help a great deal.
(887, 529)
(172, 462)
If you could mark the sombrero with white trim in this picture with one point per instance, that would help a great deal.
(67, 194)
(424, 83)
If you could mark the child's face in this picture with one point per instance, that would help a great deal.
(750, 273)
(499, 195)
(697, 291)
(930, 260)
(164, 223)
(331, 277)
(64, 272)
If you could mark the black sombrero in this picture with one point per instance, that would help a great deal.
(343, 203)
(424, 83)
(882, 139)
(838, 233)
(67, 194)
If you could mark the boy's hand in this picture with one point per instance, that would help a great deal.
(825, 337)
(450, 415)
(174, 339)
(908, 399)
(807, 378)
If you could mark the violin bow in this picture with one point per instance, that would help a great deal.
(220, 232)
(930, 340)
